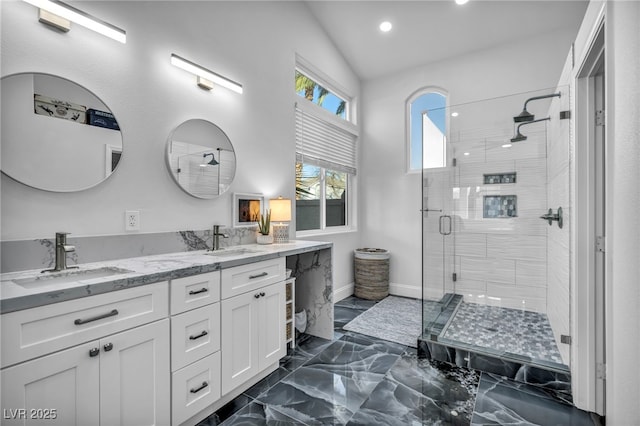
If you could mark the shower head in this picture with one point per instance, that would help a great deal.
(519, 137)
(213, 161)
(525, 116)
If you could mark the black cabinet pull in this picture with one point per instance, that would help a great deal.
(108, 347)
(263, 274)
(96, 318)
(262, 293)
(204, 385)
(202, 290)
(204, 333)
(257, 296)
(94, 352)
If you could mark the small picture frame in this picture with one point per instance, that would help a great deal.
(247, 209)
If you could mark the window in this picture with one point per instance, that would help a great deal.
(427, 130)
(325, 158)
(312, 91)
(321, 198)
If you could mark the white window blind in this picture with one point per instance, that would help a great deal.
(323, 144)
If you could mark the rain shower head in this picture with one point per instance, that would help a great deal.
(519, 137)
(213, 161)
(525, 116)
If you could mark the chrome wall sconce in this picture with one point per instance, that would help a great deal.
(60, 15)
(205, 78)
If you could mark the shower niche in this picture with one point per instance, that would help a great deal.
(500, 206)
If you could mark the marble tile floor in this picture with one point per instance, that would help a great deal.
(360, 380)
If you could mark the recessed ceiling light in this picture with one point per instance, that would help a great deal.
(454, 114)
(461, 1)
(386, 26)
(466, 153)
(507, 145)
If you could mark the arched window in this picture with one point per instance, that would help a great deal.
(427, 129)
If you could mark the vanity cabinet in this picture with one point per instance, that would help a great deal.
(253, 333)
(120, 379)
(100, 360)
(195, 344)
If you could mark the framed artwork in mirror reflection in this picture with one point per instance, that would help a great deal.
(247, 209)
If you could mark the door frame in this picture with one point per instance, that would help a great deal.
(588, 283)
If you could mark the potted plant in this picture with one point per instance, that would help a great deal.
(264, 228)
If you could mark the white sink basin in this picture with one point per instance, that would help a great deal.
(68, 276)
(233, 251)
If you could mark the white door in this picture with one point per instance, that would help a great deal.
(239, 339)
(58, 389)
(272, 324)
(135, 376)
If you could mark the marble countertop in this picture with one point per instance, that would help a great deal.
(135, 271)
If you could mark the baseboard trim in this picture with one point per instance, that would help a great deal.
(343, 292)
(405, 290)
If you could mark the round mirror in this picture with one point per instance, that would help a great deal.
(56, 135)
(201, 158)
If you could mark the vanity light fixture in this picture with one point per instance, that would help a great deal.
(60, 15)
(206, 78)
(280, 212)
(461, 2)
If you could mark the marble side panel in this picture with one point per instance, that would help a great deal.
(314, 290)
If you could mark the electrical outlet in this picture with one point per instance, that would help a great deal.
(131, 220)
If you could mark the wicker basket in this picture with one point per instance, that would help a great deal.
(371, 268)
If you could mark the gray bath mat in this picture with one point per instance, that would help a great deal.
(394, 318)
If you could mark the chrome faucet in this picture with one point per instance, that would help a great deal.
(62, 248)
(216, 237)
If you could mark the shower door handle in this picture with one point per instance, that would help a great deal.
(445, 218)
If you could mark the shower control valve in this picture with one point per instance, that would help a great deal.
(551, 217)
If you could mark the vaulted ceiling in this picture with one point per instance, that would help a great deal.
(426, 31)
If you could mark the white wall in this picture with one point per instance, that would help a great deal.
(391, 198)
(251, 42)
(623, 205)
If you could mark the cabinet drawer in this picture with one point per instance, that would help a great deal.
(194, 335)
(195, 387)
(242, 279)
(34, 332)
(195, 291)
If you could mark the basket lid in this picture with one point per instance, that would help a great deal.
(371, 253)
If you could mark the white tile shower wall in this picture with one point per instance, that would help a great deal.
(558, 271)
(501, 262)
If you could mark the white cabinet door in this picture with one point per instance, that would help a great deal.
(272, 324)
(239, 340)
(58, 389)
(253, 327)
(135, 376)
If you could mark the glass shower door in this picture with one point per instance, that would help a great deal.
(486, 248)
